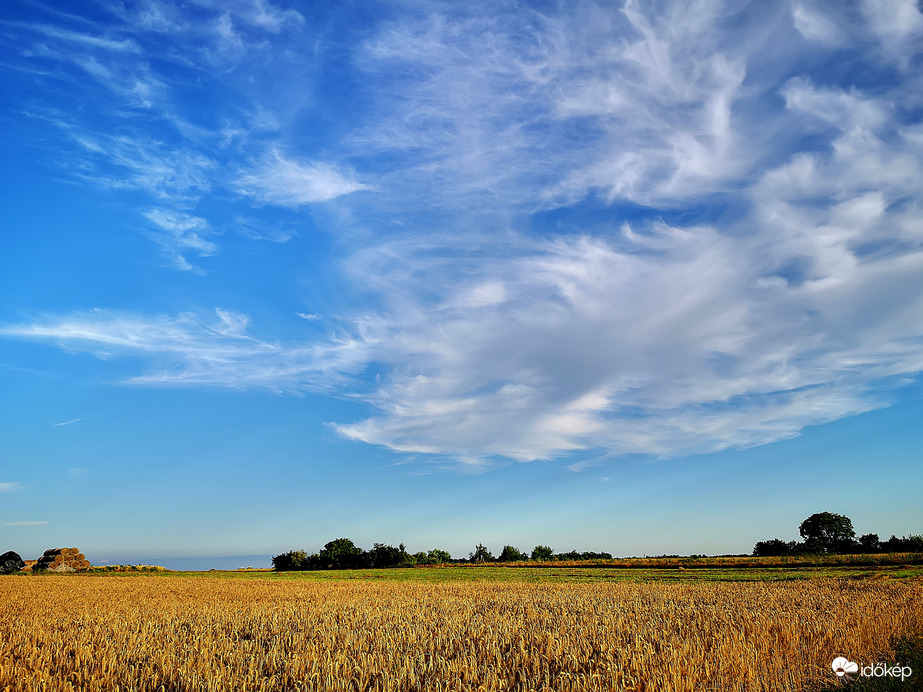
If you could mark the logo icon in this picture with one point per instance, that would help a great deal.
(842, 665)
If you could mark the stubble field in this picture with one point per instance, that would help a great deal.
(86, 632)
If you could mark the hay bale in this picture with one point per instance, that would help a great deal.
(10, 562)
(61, 560)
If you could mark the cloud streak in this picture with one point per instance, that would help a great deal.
(25, 523)
(287, 183)
(188, 350)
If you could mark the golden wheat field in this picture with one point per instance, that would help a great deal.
(147, 633)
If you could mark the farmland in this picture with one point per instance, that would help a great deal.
(564, 628)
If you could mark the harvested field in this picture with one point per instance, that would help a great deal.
(141, 633)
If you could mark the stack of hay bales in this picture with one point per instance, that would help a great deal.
(62, 560)
(10, 562)
(29, 565)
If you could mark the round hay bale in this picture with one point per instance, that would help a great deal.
(11, 562)
(52, 552)
(58, 559)
(79, 556)
(85, 564)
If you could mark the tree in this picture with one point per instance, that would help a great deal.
(773, 548)
(826, 532)
(385, 555)
(439, 557)
(511, 554)
(870, 543)
(906, 544)
(290, 561)
(341, 553)
(542, 552)
(481, 554)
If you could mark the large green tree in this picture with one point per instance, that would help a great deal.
(826, 532)
(341, 553)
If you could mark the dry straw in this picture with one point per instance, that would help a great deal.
(207, 634)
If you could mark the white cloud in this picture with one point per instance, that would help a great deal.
(119, 46)
(257, 229)
(799, 305)
(178, 233)
(669, 343)
(177, 175)
(25, 523)
(269, 17)
(10, 487)
(67, 422)
(894, 21)
(816, 25)
(287, 183)
(190, 350)
(843, 109)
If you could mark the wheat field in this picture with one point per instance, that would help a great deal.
(148, 633)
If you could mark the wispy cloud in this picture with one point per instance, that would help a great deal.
(288, 183)
(25, 523)
(189, 350)
(10, 487)
(257, 229)
(68, 422)
(179, 175)
(756, 269)
(664, 341)
(118, 46)
(642, 104)
(179, 233)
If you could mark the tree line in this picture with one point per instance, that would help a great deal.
(828, 533)
(342, 553)
(822, 533)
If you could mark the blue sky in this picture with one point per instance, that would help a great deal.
(636, 277)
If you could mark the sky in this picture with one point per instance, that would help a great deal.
(636, 277)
